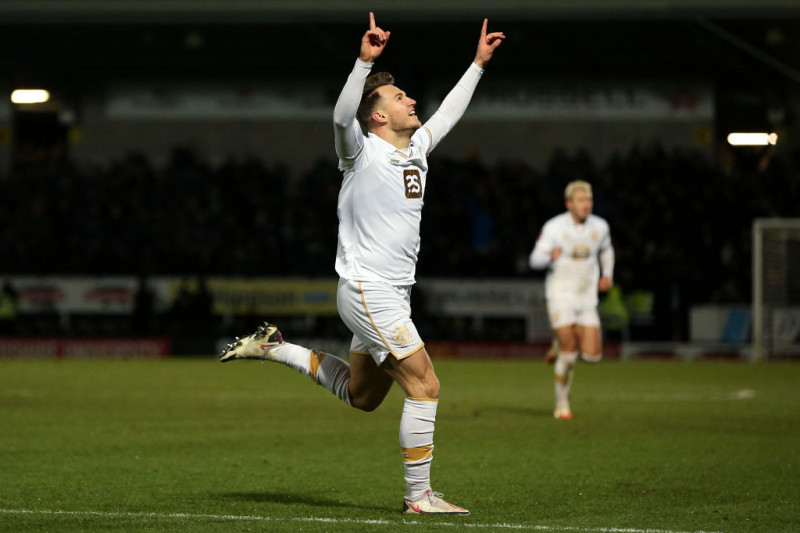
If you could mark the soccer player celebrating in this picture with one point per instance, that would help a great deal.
(569, 247)
(382, 148)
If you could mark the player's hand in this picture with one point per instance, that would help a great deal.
(604, 284)
(487, 44)
(555, 254)
(373, 42)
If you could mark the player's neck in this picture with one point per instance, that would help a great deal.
(399, 139)
(577, 220)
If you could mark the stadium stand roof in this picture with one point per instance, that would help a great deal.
(249, 11)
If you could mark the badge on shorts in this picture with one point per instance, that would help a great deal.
(400, 335)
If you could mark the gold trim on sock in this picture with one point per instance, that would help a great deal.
(414, 455)
(563, 380)
(314, 360)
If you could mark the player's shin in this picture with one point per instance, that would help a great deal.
(563, 376)
(332, 373)
(416, 441)
(324, 369)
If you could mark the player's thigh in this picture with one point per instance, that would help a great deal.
(379, 316)
(590, 339)
(414, 374)
(563, 318)
(369, 383)
(589, 332)
(567, 338)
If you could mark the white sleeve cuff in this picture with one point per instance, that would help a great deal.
(367, 66)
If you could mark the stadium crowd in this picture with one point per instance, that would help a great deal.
(680, 221)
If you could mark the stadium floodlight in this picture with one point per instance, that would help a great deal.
(752, 139)
(30, 96)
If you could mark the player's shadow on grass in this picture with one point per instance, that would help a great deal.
(293, 499)
(527, 412)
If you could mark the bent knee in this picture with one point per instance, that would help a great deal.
(428, 388)
(367, 407)
(365, 403)
(368, 400)
(432, 390)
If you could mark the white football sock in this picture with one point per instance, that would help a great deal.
(323, 368)
(416, 442)
(563, 376)
(333, 374)
(292, 355)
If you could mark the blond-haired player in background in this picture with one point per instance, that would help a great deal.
(383, 149)
(569, 246)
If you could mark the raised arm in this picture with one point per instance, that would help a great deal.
(487, 44)
(373, 42)
(348, 137)
(457, 100)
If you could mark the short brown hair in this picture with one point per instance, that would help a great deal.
(370, 97)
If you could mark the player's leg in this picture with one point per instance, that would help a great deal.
(360, 383)
(590, 336)
(564, 369)
(267, 344)
(369, 383)
(591, 343)
(379, 315)
(563, 319)
(416, 377)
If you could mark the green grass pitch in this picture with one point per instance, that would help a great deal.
(193, 445)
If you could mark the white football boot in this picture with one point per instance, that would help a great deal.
(254, 346)
(562, 412)
(431, 503)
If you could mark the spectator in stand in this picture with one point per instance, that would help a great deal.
(128, 216)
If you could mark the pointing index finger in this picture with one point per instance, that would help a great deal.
(371, 21)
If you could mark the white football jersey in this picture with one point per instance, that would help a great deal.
(381, 197)
(380, 210)
(576, 272)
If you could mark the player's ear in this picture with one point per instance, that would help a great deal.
(379, 117)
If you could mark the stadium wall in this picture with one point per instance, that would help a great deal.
(92, 317)
(293, 127)
(299, 144)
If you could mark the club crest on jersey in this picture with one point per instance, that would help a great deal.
(581, 251)
(400, 335)
(413, 183)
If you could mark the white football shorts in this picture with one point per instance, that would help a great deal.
(564, 313)
(379, 316)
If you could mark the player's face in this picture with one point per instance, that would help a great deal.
(580, 205)
(398, 108)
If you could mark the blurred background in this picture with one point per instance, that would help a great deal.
(179, 183)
